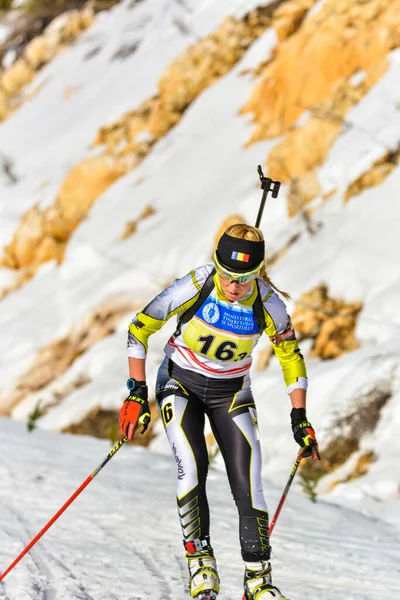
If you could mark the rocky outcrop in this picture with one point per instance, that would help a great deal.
(362, 466)
(352, 38)
(194, 70)
(62, 31)
(302, 190)
(43, 233)
(329, 322)
(289, 16)
(375, 174)
(346, 35)
(307, 146)
(345, 436)
(104, 424)
(277, 102)
(54, 360)
(131, 226)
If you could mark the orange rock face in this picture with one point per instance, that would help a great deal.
(374, 175)
(131, 226)
(289, 16)
(329, 322)
(311, 71)
(343, 37)
(54, 359)
(301, 191)
(189, 74)
(43, 234)
(63, 30)
(306, 147)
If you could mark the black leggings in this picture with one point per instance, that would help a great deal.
(184, 398)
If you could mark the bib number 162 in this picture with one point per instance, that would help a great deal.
(225, 350)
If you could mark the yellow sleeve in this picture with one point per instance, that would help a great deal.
(291, 361)
(174, 300)
(279, 329)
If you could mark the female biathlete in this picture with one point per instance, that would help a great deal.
(222, 308)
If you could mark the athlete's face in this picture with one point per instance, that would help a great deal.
(233, 291)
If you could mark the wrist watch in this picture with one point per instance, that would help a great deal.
(131, 384)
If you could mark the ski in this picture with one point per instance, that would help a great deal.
(244, 598)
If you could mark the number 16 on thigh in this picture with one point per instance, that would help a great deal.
(168, 410)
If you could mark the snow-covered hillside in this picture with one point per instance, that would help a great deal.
(194, 177)
(104, 546)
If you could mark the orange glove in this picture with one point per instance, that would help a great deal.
(135, 410)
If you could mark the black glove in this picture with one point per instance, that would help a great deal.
(134, 410)
(304, 433)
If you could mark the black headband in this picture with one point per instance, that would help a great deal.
(239, 255)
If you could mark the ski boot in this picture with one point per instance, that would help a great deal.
(203, 576)
(258, 582)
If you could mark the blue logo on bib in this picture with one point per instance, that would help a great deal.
(211, 313)
(232, 320)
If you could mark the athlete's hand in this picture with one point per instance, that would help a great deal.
(304, 433)
(135, 410)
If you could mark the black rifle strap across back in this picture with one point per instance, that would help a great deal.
(191, 311)
(205, 291)
(258, 311)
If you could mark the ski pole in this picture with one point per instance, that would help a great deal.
(63, 508)
(286, 491)
(267, 185)
(284, 495)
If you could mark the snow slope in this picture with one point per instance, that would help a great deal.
(194, 177)
(120, 539)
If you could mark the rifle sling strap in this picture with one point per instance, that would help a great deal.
(205, 291)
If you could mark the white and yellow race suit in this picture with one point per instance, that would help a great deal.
(206, 372)
(219, 340)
